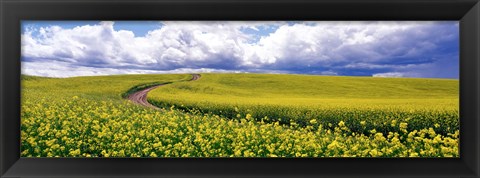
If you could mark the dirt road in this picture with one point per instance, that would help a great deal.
(140, 97)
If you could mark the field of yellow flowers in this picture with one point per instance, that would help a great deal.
(87, 117)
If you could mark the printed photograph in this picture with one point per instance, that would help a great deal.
(263, 89)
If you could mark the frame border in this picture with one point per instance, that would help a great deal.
(465, 11)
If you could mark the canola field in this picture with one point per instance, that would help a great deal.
(240, 115)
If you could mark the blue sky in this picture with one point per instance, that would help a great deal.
(420, 49)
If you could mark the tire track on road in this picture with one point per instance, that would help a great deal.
(140, 97)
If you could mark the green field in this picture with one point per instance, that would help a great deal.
(240, 115)
(329, 100)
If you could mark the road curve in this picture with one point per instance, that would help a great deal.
(140, 97)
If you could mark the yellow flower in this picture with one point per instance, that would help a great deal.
(75, 152)
(153, 154)
(362, 122)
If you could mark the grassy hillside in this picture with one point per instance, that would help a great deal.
(95, 88)
(87, 117)
(307, 90)
(310, 86)
(422, 103)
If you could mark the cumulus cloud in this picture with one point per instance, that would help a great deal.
(325, 48)
(62, 70)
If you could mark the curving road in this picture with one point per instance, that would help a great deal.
(140, 97)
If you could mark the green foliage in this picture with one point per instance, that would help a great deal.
(87, 117)
(96, 88)
(141, 87)
(381, 103)
(305, 89)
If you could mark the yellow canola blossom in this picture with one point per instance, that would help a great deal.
(76, 124)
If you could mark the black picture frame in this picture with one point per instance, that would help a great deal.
(13, 11)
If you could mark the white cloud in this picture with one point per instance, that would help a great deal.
(349, 43)
(62, 70)
(223, 46)
(389, 74)
(328, 73)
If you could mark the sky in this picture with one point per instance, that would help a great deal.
(414, 49)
